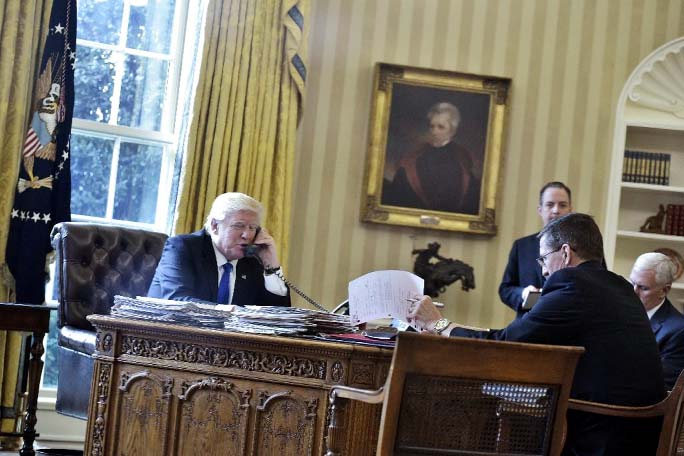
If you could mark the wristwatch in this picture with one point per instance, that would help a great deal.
(269, 271)
(440, 326)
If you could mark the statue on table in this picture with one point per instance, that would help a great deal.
(442, 273)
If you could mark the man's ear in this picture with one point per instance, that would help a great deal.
(214, 226)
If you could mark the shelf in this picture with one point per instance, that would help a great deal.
(649, 236)
(653, 188)
(678, 286)
(673, 125)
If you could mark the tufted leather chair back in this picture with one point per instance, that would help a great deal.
(96, 262)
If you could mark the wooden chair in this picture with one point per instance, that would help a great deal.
(671, 441)
(457, 396)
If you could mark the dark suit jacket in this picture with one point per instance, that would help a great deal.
(522, 270)
(591, 307)
(668, 326)
(187, 271)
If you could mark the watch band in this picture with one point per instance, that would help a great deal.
(269, 271)
(440, 325)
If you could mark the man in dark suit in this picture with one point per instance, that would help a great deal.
(584, 304)
(210, 264)
(652, 276)
(523, 274)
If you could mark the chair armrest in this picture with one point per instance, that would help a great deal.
(358, 394)
(617, 410)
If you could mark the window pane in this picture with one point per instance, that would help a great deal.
(142, 92)
(100, 20)
(137, 182)
(51, 367)
(150, 25)
(91, 163)
(94, 83)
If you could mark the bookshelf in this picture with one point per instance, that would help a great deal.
(649, 118)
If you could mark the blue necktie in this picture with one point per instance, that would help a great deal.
(224, 285)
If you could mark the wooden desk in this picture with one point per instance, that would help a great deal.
(163, 389)
(36, 319)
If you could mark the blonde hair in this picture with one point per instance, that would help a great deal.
(226, 204)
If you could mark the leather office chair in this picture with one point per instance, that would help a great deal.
(467, 396)
(94, 263)
(671, 408)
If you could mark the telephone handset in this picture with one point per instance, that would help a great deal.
(252, 250)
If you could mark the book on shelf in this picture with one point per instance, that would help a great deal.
(646, 167)
(674, 219)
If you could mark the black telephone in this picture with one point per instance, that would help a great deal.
(252, 250)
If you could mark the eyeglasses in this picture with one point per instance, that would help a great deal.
(542, 259)
(242, 227)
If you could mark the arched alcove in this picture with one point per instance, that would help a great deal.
(650, 124)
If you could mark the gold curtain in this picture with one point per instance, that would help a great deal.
(249, 94)
(23, 27)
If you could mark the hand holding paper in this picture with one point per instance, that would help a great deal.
(382, 294)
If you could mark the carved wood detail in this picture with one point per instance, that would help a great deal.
(285, 423)
(362, 374)
(102, 394)
(104, 342)
(144, 411)
(252, 361)
(213, 412)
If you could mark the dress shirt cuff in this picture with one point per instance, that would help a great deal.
(275, 285)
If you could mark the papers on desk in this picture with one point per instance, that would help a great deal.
(250, 319)
(382, 294)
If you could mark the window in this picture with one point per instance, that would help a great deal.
(128, 107)
(133, 78)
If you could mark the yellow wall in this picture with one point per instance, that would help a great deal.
(568, 60)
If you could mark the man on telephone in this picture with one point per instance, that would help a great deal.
(232, 260)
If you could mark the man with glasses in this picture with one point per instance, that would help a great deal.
(652, 276)
(213, 264)
(523, 275)
(584, 304)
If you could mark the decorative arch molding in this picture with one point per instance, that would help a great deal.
(658, 82)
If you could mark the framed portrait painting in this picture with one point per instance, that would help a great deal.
(435, 149)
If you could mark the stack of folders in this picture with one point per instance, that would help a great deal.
(251, 319)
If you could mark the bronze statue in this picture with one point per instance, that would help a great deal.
(654, 224)
(440, 274)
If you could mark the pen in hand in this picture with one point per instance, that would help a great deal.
(437, 304)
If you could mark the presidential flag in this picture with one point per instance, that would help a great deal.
(43, 192)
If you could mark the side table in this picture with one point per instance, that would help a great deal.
(33, 318)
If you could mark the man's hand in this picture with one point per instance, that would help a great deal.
(268, 253)
(423, 314)
(527, 289)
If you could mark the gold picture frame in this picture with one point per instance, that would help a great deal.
(435, 149)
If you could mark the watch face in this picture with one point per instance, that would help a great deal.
(441, 325)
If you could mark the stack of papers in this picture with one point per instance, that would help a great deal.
(302, 321)
(195, 314)
(251, 319)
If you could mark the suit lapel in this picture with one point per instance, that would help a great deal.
(208, 265)
(660, 316)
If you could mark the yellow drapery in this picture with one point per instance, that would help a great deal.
(243, 132)
(23, 27)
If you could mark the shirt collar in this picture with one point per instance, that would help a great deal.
(221, 259)
(652, 312)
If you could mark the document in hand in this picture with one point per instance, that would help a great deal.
(382, 294)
